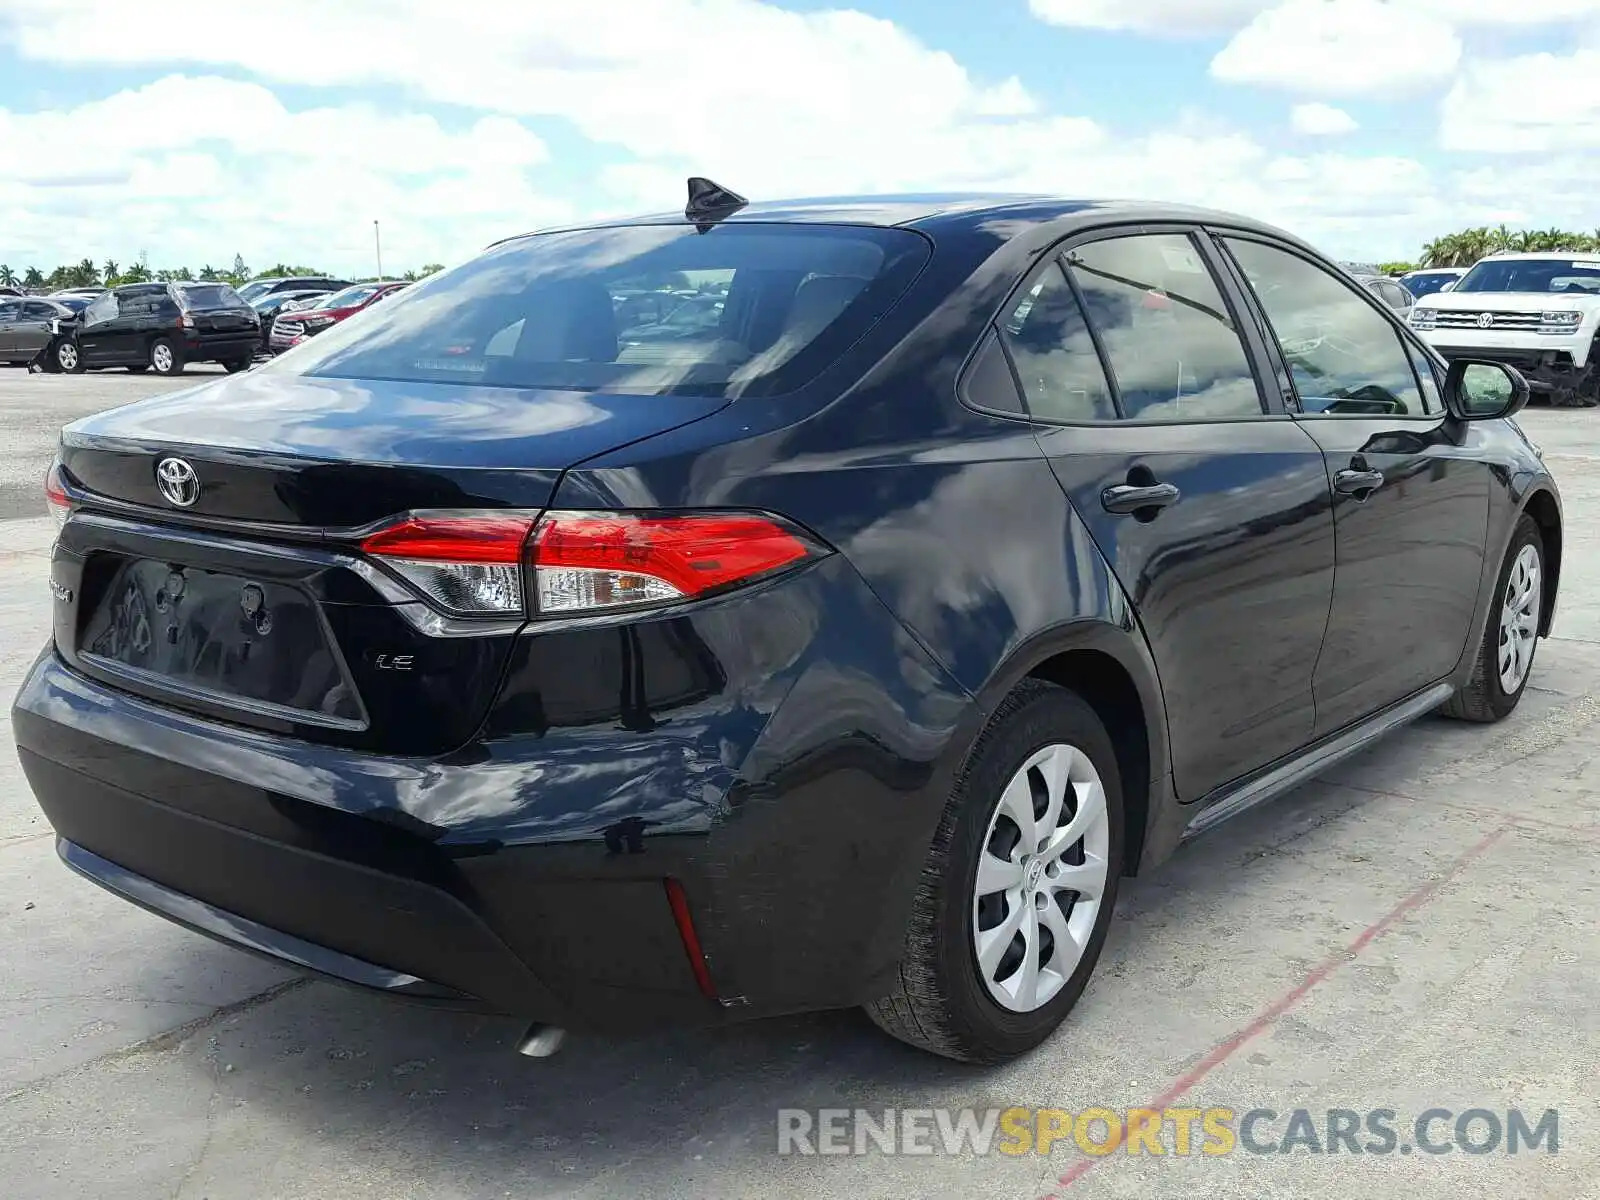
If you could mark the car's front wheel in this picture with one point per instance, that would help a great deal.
(164, 358)
(1019, 886)
(69, 358)
(1504, 659)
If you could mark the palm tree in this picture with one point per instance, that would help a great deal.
(138, 273)
(8, 277)
(110, 271)
(208, 273)
(32, 278)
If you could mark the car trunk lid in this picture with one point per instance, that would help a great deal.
(252, 602)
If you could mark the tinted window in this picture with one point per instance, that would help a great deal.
(543, 311)
(1428, 284)
(210, 295)
(1428, 377)
(1173, 348)
(1558, 276)
(37, 311)
(989, 383)
(1054, 353)
(1345, 356)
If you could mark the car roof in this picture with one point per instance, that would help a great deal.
(944, 212)
(1583, 256)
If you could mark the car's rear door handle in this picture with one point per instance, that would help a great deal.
(1358, 483)
(1127, 498)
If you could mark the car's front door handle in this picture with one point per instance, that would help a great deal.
(1358, 483)
(1127, 498)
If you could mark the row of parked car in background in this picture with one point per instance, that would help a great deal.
(164, 327)
(1537, 312)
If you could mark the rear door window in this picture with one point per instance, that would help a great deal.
(742, 309)
(1170, 340)
(1054, 353)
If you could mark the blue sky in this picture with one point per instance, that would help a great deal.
(1366, 125)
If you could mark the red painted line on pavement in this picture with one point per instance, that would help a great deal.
(1225, 1050)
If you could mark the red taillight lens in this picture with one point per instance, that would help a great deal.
(467, 564)
(472, 564)
(55, 496)
(594, 561)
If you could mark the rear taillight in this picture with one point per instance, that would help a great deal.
(469, 564)
(574, 563)
(590, 561)
(186, 321)
(56, 499)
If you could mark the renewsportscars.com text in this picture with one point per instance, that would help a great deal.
(1176, 1131)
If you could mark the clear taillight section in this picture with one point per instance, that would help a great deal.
(573, 563)
(467, 564)
(55, 496)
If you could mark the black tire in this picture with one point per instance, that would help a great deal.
(173, 359)
(940, 1003)
(70, 349)
(235, 365)
(138, 368)
(1484, 698)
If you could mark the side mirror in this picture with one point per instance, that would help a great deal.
(1481, 390)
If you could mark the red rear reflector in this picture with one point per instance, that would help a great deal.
(691, 940)
(55, 496)
(597, 560)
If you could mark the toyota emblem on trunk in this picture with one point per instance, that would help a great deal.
(178, 482)
(1485, 320)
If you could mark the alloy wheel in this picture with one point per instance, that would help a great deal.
(161, 358)
(1519, 619)
(1041, 878)
(67, 356)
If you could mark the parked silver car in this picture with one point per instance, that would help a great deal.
(25, 326)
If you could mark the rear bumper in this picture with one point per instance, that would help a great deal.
(1547, 367)
(528, 872)
(222, 347)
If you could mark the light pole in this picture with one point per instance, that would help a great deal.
(377, 244)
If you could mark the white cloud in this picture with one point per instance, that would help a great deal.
(772, 102)
(198, 168)
(1321, 120)
(1534, 103)
(1341, 48)
(1163, 17)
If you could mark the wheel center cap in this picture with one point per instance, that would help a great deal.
(1033, 874)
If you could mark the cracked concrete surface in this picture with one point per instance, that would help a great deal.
(1417, 929)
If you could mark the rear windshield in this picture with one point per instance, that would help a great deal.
(741, 309)
(1533, 275)
(210, 295)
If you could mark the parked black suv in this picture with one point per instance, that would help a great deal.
(845, 649)
(160, 327)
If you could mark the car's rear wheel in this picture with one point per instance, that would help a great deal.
(69, 358)
(1018, 890)
(164, 358)
(1504, 660)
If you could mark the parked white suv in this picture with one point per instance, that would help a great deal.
(1538, 312)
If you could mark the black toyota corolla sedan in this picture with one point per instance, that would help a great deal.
(847, 649)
